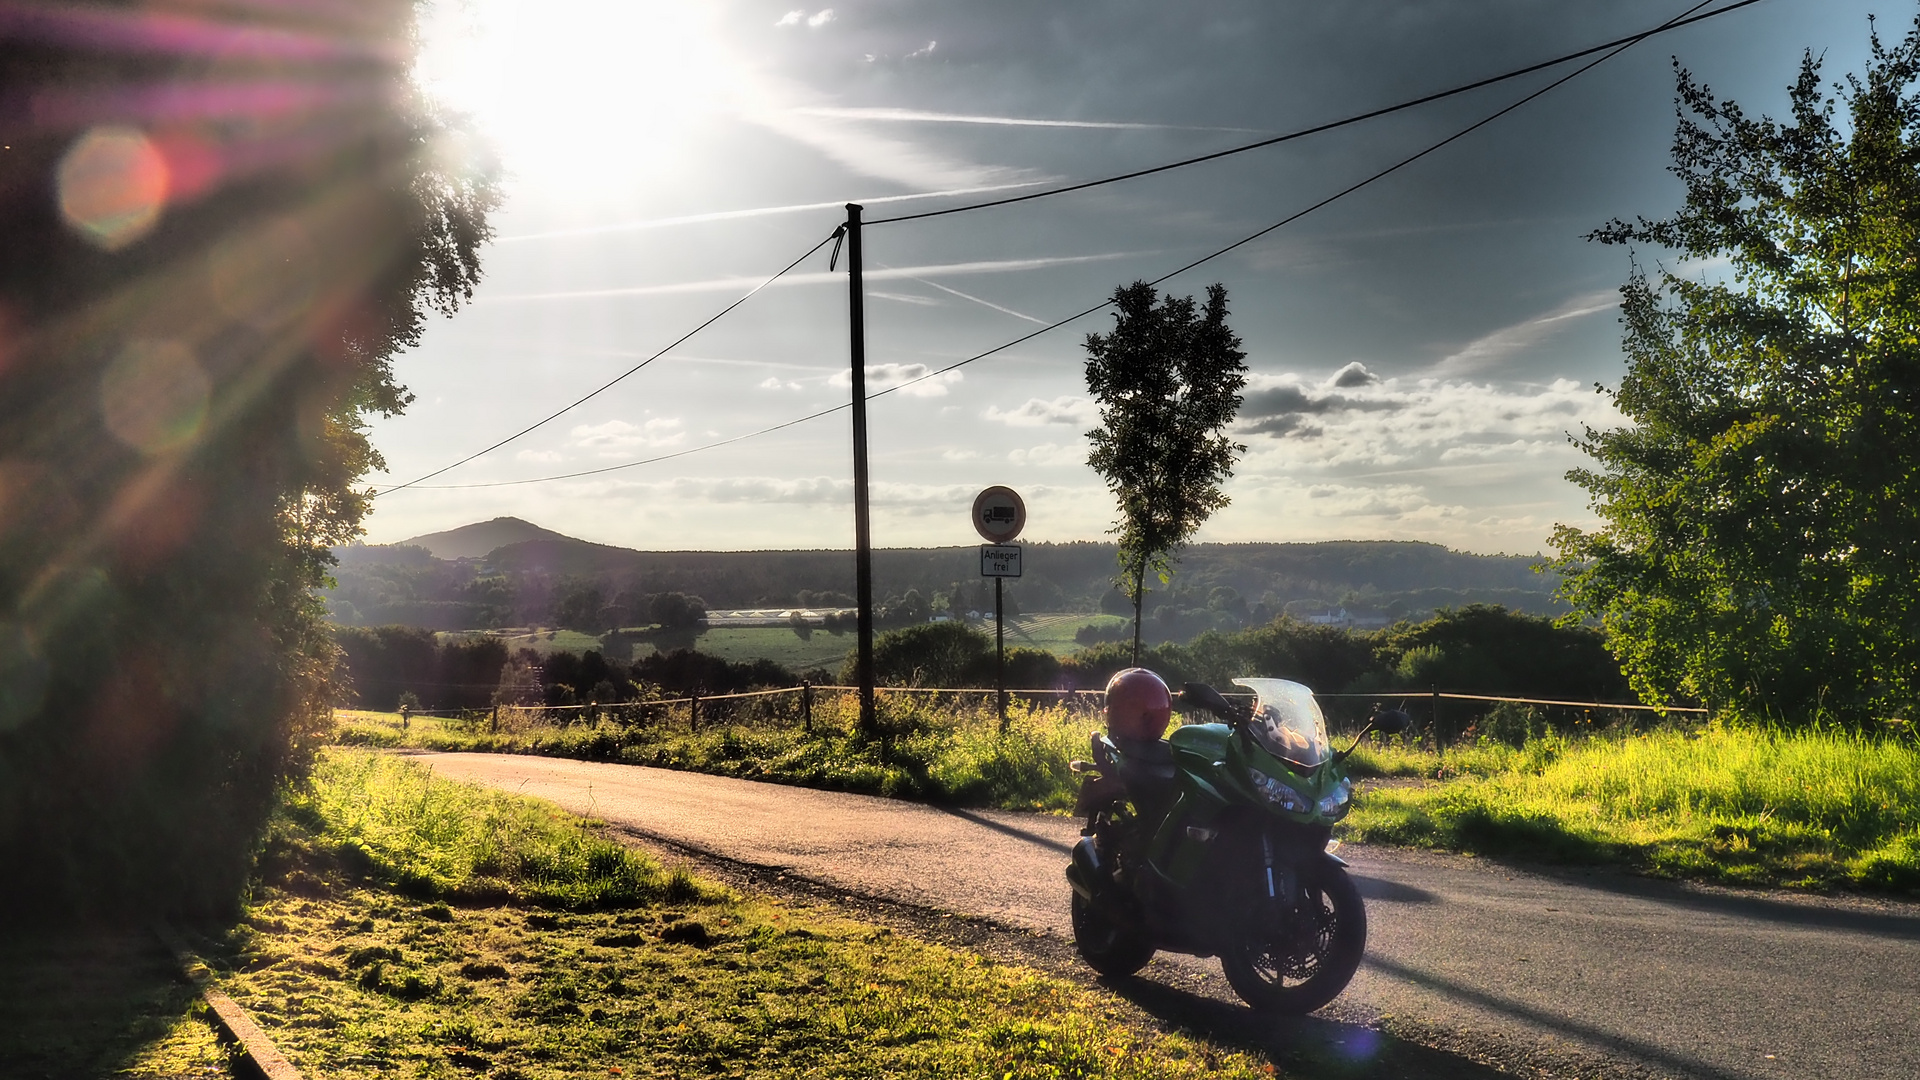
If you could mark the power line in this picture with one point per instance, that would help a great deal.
(609, 384)
(1631, 39)
(1617, 47)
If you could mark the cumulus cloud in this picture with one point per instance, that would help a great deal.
(912, 379)
(1050, 454)
(820, 18)
(1067, 409)
(1354, 374)
(774, 382)
(791, 18)
(617, 437)
(927, 50)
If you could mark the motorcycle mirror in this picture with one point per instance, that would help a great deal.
(1201, 696)
(1391, 722)
(1387, 721)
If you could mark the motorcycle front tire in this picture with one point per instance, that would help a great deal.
(1107, 945)
(1257, 973)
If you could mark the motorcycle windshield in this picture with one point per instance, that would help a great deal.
(1287, 721)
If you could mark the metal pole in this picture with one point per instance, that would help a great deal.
(999, 656)
(862, 530)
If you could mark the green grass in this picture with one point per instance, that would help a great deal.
(934, 751)
(1742, 806)
(355, 979)
(542, 640)
(1054, 632)
(778, 644)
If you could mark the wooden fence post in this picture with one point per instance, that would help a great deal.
(806, 706)
(693, 711)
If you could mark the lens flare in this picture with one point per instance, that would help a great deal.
(153, 397)
(264, 276)
(113, 184)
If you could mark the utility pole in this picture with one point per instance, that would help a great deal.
(862, 530)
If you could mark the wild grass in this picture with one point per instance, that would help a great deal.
(430, 838)
(1817, 808)
(355, 979)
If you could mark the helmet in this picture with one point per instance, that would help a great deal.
(1139, 705)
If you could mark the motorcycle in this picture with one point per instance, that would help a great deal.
(1217, 842)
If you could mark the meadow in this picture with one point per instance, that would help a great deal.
(405, 926)
(1809, 808)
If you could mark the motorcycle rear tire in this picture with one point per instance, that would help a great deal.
(1107, 945)
(1257, 975)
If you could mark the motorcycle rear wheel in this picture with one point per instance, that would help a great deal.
(1300, 965)
(1107, 945)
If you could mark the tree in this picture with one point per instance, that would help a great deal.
(198, 313)
(1167, 378)
(1760, 509)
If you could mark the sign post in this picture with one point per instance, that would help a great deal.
(998, 516)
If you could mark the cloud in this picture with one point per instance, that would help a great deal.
(1496, 348)
(758, 211)
(820, 18)
(1050, 454)
(1354, 374)
(616, 438)
(791, 18)
(773, 382)
(1067, 409)
(912, 379)
(927, 50)
(544, 457)
(907, 298)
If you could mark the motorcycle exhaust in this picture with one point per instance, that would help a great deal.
(1088, 872)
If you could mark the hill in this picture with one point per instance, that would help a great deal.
(540, 577)
(476, 540)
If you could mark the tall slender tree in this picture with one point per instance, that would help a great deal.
(1167, 379)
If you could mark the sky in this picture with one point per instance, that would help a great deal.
(1422, 352)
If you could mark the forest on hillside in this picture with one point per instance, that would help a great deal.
(594, 588)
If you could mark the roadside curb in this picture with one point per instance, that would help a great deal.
(228, 1016)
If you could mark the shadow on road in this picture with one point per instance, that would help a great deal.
(1591, 1036)
(1304, 1044)
(1758, 908)
(1374, 888)
(1003, 828)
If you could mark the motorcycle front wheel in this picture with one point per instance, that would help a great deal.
(1300, 961)
(1107, 945)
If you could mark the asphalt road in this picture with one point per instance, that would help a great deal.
(1585, 972)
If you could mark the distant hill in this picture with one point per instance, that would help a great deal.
(478, 539)
(513, 573)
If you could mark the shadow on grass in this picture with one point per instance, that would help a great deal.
(83, 1003)
(1309, 1045)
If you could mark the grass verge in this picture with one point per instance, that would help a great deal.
(588, 975)
(1810, 809)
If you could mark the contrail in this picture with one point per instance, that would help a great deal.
(920, 117)
(915, 273)
(758, 211)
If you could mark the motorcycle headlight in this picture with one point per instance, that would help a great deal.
(1336, 799)
(1276, 792)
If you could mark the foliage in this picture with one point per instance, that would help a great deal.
(189, 368)
(1757, 552)
(1167, 378)
(435, 839)
(356, 980)
(1741, 805)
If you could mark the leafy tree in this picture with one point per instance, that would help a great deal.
(678, 611)
(198, 313)
(1167, 378)
(1760, 509)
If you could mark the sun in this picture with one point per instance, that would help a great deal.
(579, 96)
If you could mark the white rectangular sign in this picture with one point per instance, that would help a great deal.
(999, 560)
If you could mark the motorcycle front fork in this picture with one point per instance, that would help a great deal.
(1280, 884)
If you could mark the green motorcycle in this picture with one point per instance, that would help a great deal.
(1215, 842)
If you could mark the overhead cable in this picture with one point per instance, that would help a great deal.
(609, 384)
(1617, 47)
(1617, 43)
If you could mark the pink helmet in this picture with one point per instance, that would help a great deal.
(1139, 705)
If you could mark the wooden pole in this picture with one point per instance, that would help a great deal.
(999, 655)
(862, 530)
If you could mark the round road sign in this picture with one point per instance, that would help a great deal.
(999, 515)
